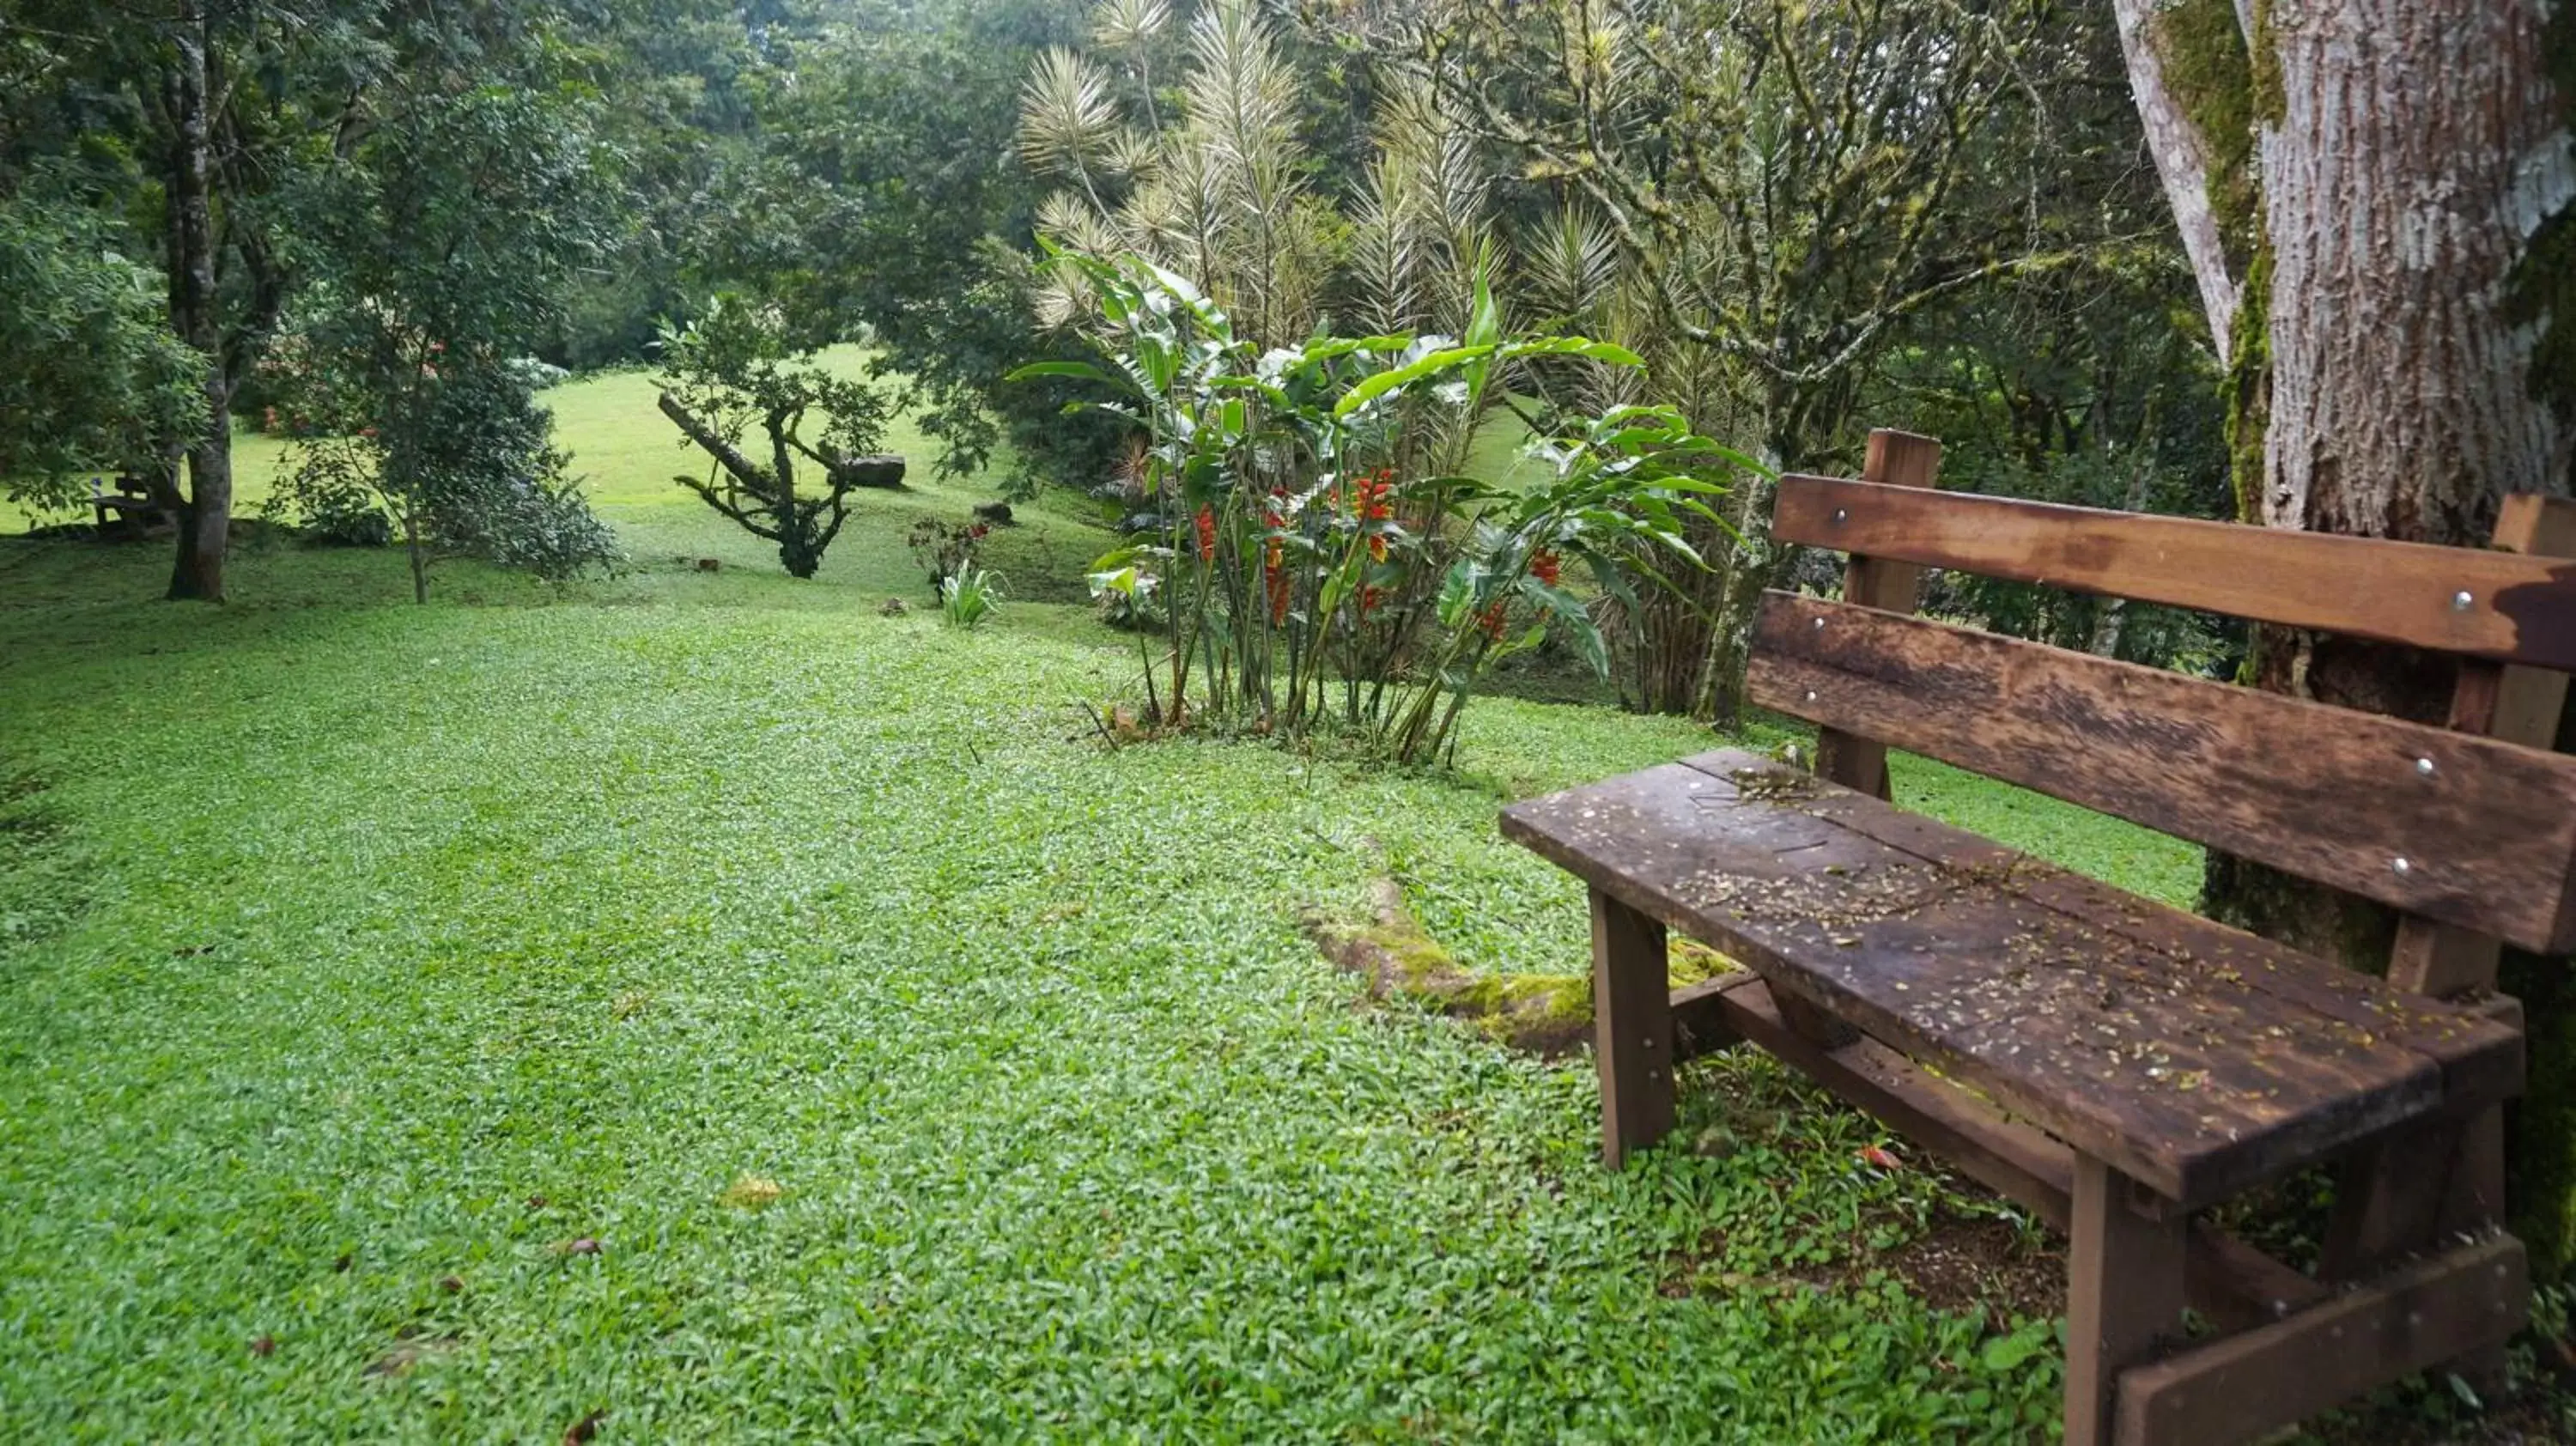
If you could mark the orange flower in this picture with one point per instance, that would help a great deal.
(1207, 533)
(1546, 566)
(1490, 618)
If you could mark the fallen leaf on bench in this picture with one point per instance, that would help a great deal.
(1881, 1158)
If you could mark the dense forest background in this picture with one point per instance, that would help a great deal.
(1893, 214)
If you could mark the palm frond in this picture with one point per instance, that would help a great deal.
(1129, 24)
(1068, 116)
(1569, 266)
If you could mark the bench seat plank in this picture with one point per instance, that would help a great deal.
(2155, 1051)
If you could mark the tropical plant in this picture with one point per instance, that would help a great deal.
(1785, 182)
(969, 596)
(1220, 188)
(1311, 570)
(944, 549)
(459, 464)
(438, 255)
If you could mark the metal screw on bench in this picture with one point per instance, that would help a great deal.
(1841, 516)
(1820, 625)
(2402, 867)
(2462, 601)
(2424, 767)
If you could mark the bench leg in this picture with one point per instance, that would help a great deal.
(1632, 1028)
(2124, 1291)
(2410, 1191)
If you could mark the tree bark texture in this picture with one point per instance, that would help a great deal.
(205, 521)
(2417, 150)
(2406, 153)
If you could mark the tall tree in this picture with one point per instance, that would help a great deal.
(2371, 193)
(211, 118)
(2356, 185)
(1793, 181)
(218, 102)
(89, 373)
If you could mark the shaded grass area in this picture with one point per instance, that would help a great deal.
(359, 960)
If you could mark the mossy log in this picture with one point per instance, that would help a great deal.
(1547, 1014)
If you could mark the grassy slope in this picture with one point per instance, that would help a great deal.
(349, 948)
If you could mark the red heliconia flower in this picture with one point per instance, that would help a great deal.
(1207, 533)
(1369, 495)
(1370, 597)
(1381, 484)
(1377, 546)
(1546, 566)
(1490, 618)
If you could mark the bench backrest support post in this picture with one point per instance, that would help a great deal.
(1895, 459)
(2514, 704)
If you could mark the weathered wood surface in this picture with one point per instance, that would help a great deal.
(2464, 829)
(2108, 1020)
(2515, 704)
(1632, 1028)
(2244, 1386)
(2012, 1159)
(2229, 1281)
(2125, 1270)
(2521, 609)
(1896, 459)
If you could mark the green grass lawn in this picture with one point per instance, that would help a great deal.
(362, 965)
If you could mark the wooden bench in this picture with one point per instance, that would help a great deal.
(132, 502)
(2113, 1064)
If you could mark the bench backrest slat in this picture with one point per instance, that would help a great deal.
(2456, 827)
(2519, 609)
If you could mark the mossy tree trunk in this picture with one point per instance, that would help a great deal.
(2357, 185)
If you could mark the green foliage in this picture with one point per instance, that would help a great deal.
(90, 376)
(330, 494)
(1304, 551)
(943, 549)
(882, 201)
(734, 370)
(438, 254)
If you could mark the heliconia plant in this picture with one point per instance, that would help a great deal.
(1321, 559)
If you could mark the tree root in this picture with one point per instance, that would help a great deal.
(1546, 1014)
(1549, 1015)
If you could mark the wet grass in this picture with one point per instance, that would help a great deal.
(700, 999)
